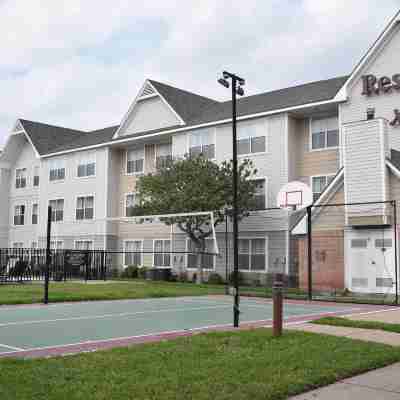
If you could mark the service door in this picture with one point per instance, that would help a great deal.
(369, 261)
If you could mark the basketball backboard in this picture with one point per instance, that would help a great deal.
(294, 196)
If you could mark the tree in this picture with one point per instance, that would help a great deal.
(195, 184)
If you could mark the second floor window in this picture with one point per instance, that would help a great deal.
(324, 133)
(86, 166)
(20, 178)
(130, 203)
(57, 210)
(85, 207)
(259, 195)
(35, 212)
(164, 155)
(36, 179)
(19, 215)
(319, 183)
(56, 170)
(251, 138)
(135, 161)
(202, 143)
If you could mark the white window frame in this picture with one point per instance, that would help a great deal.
(76, 207)
(37, 214)
(265, 178)
(264, 271)
(326, 176)
(23, 176)
(310, 133)
(60, 164)
(213, 133)
(57, 199)
(170, 253)
(157, 149)
(36, 168)
(19, 204)
(126, 199)
(83, 241)
(187, 258)
(242, 125)
(141, 250)
(126, 161)
(85, 160)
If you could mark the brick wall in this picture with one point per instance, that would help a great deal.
(328, 261)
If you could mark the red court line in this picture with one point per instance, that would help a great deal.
(90, 346)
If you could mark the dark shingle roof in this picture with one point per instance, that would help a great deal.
(192, 108)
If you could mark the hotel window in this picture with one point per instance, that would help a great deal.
(36, 178)
(35, 211)
(19, 215)
(252, 254)
(56, 245)
(319, 183)
(135, 161)
(324, 133)
(85, 207)
(133, 252)
(57, 210)
(130, 203)
(20, 178)
(84, 245)
(259, 194)
(207, 260)
(202, 143)
(162, 253)
(164, 155)
(86, 165)
(56, 170)
(251, 138)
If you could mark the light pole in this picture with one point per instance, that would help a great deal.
(237, 89)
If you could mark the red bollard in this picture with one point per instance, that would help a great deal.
(277, 299)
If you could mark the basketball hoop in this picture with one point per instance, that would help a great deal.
(294, 196)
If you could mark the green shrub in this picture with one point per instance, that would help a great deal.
(115, 273)
(231, 278)
(142, 273)
(215, 279)
(183, 276)
(130, 272)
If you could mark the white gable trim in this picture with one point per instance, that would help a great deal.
(393, 169)
(23, 131)
(140, 98)
(343, 92)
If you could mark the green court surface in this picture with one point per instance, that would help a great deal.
(73, 327)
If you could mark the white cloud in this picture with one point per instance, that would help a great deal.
(60, 62)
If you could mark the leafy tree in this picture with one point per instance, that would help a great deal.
(194, 184)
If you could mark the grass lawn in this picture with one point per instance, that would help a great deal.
(337, 321)
(240, 365)
(78, 291)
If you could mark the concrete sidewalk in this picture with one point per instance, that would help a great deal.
(381, 384)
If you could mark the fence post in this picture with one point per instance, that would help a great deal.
(48, 257)
(395, 251)
(309, 252)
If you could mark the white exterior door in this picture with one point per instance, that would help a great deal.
(369, 261)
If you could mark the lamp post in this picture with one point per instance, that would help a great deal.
(237, 89)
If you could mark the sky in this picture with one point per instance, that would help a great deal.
(80, 63)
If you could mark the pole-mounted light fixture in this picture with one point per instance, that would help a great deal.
(236, 86)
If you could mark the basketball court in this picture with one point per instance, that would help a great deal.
(67, 328)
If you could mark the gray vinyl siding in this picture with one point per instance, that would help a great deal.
(5, 176)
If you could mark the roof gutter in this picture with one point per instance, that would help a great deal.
(335, 100)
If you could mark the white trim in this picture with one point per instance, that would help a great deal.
(137, 98)
(17, 203)
(94, 208)
(265, 270)
(342, 93)
(126, 161)
(56, 199)
(325, 148)
(213, 133)
(77, 160)
(320, 176)
(188, 128)
(124, 250)
(28, 138)
(64, 162)
(170, 254)
(187, 257)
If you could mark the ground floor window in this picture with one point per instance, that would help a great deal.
(207, 260)
(133, 252)
(56, 245)
(252, 254)
(162, 252)
(18, 245)
(84, 245)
